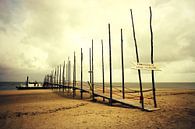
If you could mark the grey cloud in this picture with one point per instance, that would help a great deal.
(2, 29)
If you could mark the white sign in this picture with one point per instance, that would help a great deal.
(146, 67)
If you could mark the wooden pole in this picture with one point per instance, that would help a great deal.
(103, 85)
(75, 80)
(69, 72)
(74, 76)
(90, 65)
(63, 78)
(27, 81)
(137, 56)
(152, 59)
(57, 74)
(122, 65)
(92, 73)
(110, 61)
(51, 79)
(55, 78)
(60, 77)
(66, 80)
(81, 74)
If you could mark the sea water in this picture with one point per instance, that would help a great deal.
(10, 85)
(182, 85)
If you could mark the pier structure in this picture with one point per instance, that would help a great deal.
(111, 93)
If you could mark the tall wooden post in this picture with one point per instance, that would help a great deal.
(110, 61)
(122, 65)
(103, 85)
(63, 78)
(137, 56)
(66, 79)
(57, 74)
(74, 76)
(55, 78)
(92, 79)
(81, 74)
(60, 77)
(69, 74)
(27, 81)
(51, 79)
(90, 65)
(152, 60)
(73, 81)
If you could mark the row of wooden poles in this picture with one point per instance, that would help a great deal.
(58, 79)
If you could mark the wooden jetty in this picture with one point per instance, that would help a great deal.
(141, 98)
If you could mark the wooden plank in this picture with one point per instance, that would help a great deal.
(127, 102)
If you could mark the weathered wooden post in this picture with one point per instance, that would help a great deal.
(66, 80)
(52, 74)
(69, 74)
(122, 65)
(57, 75)
(137, 57)
(75, 71)
(92, 79)
(27, 81)
(103, 85)
(63, 78)
(152, 59)
(55, 78)
(74, 76)
(73, 79)
(110, 61)
(81, 74)
(90, 66)
(51, 79)
(60, 78)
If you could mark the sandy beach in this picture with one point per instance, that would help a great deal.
(47, 109)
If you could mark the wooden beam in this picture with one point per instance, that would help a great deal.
(90, 65)
(63, 78)
(27, 81)
(103, 85)
(152, 59)
(137, 57)
(74, 76)
(122, 65)
(60, 77)
(92, 79)
(57, 74)
(110, 61)
(69, 74)
(55, 78)
(81, 74)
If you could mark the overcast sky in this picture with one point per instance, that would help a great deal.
(38, 35)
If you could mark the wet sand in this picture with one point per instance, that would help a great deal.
(47, 109)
